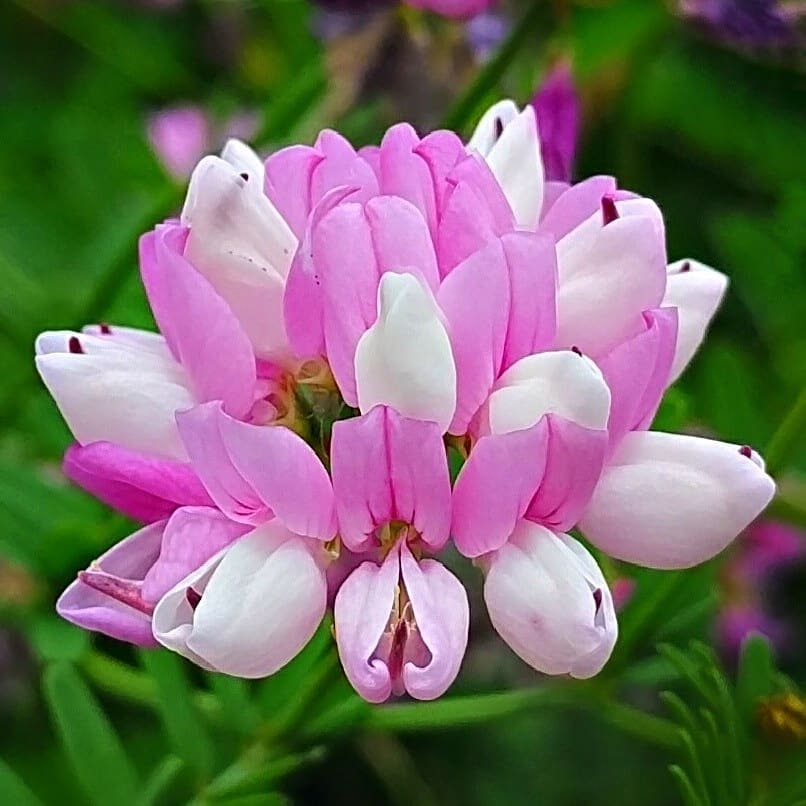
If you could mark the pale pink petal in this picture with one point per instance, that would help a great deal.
(441, 150)
(405, 174)
(302, 302)
(532, 263)
(575, 205)
(113, 397)
(574, 461)
(341, 166)
(548, 601)
(218, 357)
(609, 274)
(91, 609)
(696, 290)
(495, 487)
(672, 501)
(637, 373)
(360, 615)
(210, 458)
(191, 537)
(285, 473)
(288, 177)
(386, 468)
(475, 298)
(144, 487)
(405, 360)
(442, 616)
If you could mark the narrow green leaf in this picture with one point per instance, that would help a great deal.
(277, 691)
(180, 718)
(754, 678)
(687, 792)
(13, 790)
(238, 710)
(692, 757)
(55, 639)
(159, 784)
(250, 774)
(90, 742)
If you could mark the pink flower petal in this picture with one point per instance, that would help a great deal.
(144, 487)
(386, 468)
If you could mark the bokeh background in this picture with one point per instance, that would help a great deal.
(105, 106)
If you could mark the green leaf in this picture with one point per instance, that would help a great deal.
(13, 790)
(160, 783)
(89, 740)
(238, 710)
(755, 676)
(55, 639)
(185, 730)
(687, 791)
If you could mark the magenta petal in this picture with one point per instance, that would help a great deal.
(217, 356)
(576, 205)
(574, 462)
(144, 487)
(232, 494)
(637, 371)
(191, 537)
(289, 173)
(475, 299)
(495, 487)
(532, 263)
(385, 468)
(557, 107)
(89, 608)
(302, 300)
(285, 473)
(442, 616)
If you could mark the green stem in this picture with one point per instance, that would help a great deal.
(486, 79)
(788, 435)
(461, 712)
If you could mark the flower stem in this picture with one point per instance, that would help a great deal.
(786, 438)
(466, 105)
(461, 712)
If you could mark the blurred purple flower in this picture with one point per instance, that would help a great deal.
(767, 549)
(485, 32)
(179, 136)
(557, 106)
(182, 135)
(753, 23)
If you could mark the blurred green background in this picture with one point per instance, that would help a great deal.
(714, 133)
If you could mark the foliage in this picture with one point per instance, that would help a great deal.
(715, 136)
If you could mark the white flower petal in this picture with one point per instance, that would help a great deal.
(563, 383)
(696, 290)
(261, 602)
(404, 360)
(673, 501)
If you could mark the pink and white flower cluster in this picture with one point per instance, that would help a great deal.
(333, 325)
